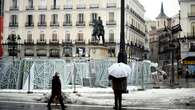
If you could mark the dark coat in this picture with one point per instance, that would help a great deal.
(56, 86)
(118, 84)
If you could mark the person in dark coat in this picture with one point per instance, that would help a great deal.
(56, 92)
(118, 87)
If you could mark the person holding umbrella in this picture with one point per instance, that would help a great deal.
(118, 73)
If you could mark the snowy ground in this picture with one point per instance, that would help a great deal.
(170, 98)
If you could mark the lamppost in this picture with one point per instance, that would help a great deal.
(13, 42)
(122, 55)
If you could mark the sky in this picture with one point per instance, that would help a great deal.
(152, 7)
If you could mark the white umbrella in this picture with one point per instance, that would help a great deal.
(119, 70)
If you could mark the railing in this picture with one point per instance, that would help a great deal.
(54, 42)
(55, 7)
(28, 42)
(111, 5)
(42, 8)
(67, 23)
(79, 42)
(68, 7)
(92, 6)
(54, 24)
(14, 8)
(13, 24)
(29, 7)
(29, 24)
(137, 30)
(113, 22)
(66, 42)
(44, 24)
(137, 15)
(41, 42)
(79, 23)
(81, 6)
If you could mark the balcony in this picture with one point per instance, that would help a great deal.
(81, 6)
(29, 24)
(55, 7)
(113, 22)
(41, 42)
(30, 8)
(28, 52)
(68, 7)
(43, 24)
(110, 42)
(67, 23)
(41, 52)
(54, 42)
(93, 42)
(28, 42)
(54, 52)
(54, 24)
(80, 23)
(111, 5)
(137, 30)
(67, 42)
(93, 6)
(13, 24)
(79, 42)
(191, 16)
(42, 8)
(14, 8)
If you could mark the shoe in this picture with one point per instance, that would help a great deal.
(114, 107)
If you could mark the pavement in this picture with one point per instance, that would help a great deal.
(136, 100)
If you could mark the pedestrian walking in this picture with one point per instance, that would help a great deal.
(56, 92)
(187, 76)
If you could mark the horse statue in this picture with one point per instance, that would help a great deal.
(98, 30)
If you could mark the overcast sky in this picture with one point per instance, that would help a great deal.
(152, 7)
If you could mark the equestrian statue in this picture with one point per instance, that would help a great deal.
(98, 30)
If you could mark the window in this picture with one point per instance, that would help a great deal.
(93, 16)
(111, 16)
(80, 36)
(81, 18)
(67, 18)
(54, 19)
(29, 37)
(29, 20)
(30, 3)
(42, 19)
(14, 3)
(13, 19)
(43, 4)
(67, 37)
(111, 36)
(193, 9)
(54, 36)
(193, 28)
(42, 37)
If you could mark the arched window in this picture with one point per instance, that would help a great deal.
(29, 36)
(54, 36)
(111, 36)
(67, 36)
(42, 36)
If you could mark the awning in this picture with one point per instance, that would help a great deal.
(189, 60)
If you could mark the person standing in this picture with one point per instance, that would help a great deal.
(187, 76)
(118, 88)
(56, 92)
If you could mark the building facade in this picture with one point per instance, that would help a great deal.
(63, 28)
(187, 36)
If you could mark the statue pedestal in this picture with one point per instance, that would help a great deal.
(98, 52)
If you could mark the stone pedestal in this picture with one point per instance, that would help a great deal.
(98, 52)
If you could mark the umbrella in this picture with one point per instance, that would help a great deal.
(119, 70)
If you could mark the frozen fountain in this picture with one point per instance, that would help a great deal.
(37, 73)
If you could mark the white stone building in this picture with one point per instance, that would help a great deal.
(61, 28)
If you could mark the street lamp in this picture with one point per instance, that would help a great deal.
(13, 42)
